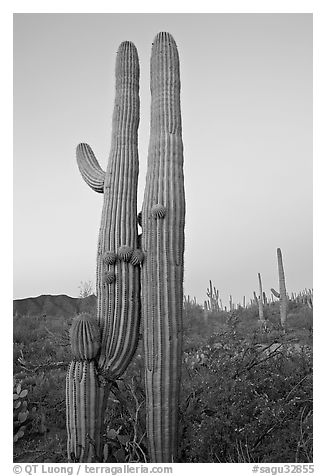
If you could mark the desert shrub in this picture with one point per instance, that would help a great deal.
(39, 340)
(246, 394)
(26, 329)
(301, 319)
(125, 438)
(246, 402)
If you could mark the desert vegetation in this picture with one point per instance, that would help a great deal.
(246, 393)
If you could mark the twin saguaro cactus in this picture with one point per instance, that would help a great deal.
(163, 218)
(103, 348)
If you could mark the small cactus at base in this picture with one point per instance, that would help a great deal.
(85, 337)
(85, 405)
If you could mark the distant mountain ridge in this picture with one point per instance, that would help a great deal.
(49, 305)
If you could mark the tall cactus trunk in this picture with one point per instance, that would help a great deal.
(118, 279)
(118, 270)
(283, 296)
(163, 218)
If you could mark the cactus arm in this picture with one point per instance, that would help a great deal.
(89, 168)
(275, 293)
(163, 216)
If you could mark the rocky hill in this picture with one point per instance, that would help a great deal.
(48, 305)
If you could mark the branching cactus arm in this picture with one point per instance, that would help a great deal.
(275, 293)
(89, 168)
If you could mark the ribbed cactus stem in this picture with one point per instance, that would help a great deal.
(163, 246)
(85, 405)
(118, 301)
(260, 299)
(283, 296)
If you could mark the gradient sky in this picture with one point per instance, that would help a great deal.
(246, 102)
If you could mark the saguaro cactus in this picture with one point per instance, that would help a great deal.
(163, 218)
(118, 271)
(260, 301)
(282, 294)
(212, 294)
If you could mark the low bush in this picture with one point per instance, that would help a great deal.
(247, 402)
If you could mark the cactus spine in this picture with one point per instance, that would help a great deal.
(163, 218)
(117, 278)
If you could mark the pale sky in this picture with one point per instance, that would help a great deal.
(246, 97)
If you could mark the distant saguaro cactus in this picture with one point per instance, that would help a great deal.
(212, 293)
(260, 301)
(118, 271)
(282, 294)
(163, 218)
